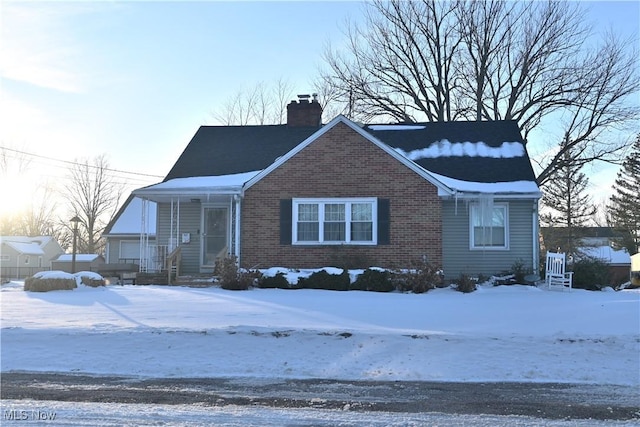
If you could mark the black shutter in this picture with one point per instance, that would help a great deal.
(384, 215)
(285, 221)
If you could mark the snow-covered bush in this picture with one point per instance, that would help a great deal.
(46, 281)
(324, 280)
(89, 278)
(278, 281)
(374, 280)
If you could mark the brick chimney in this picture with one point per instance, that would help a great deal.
(304, 112)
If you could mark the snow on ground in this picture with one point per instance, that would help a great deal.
(504, 333)
(123, 414)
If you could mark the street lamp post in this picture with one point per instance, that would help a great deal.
(75, 220)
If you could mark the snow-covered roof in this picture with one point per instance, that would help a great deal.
(608, 254)
(444, 148)
(485, 157)
(197, 185)
(25, 248)
(513, 187)
(396, 127)
(79, 257)
(129, 220)
(40, 240)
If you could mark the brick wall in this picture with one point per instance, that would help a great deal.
(341, 163)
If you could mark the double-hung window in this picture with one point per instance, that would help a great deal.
(489, 226)
(334, 221)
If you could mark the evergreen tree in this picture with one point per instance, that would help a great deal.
(570, 208)
(624, 207)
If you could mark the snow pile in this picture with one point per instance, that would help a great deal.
(503, 333)
(82, 278)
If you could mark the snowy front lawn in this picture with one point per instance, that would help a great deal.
(503, 333)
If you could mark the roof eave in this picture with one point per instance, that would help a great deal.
(393, 153)
(502, 195)
(150, 194)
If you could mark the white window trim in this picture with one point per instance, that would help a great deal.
(472, 245)
(347, 201)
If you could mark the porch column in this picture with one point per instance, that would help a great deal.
(144, 237)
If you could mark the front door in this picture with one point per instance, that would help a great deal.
(216, 235)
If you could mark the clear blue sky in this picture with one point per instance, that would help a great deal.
(134, 80)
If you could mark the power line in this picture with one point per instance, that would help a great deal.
(78, 164)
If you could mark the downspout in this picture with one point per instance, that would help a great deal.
(171, 226)
(536, 240)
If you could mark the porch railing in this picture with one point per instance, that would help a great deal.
(155, 260)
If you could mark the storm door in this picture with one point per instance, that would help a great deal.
(216, 235)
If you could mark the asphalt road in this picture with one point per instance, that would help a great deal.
(540, 400)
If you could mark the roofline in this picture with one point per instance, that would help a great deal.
(498, 195)
(186, 191)
(342, 119)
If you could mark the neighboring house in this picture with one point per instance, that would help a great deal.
(123, 234)
(22, 256)
(84, 262)
(635, 270)
(461, 195)
(586, 236)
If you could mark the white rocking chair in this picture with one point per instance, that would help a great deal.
(555, 275)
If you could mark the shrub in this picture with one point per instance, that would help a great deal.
(231, 277)
(590, 273)
(421, 277)
(323, 280)
(50, 281)
(374, 280)
(519, 271)
(466, 284)
(278, 281)
(91, 279)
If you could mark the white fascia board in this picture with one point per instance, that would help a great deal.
(184, 191)
(341, 119)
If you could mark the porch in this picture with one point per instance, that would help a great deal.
(197, 222)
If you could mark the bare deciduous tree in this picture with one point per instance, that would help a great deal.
(489, 60)
(259, 105)
(399, 63)
(94, 196)
(40, 218)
